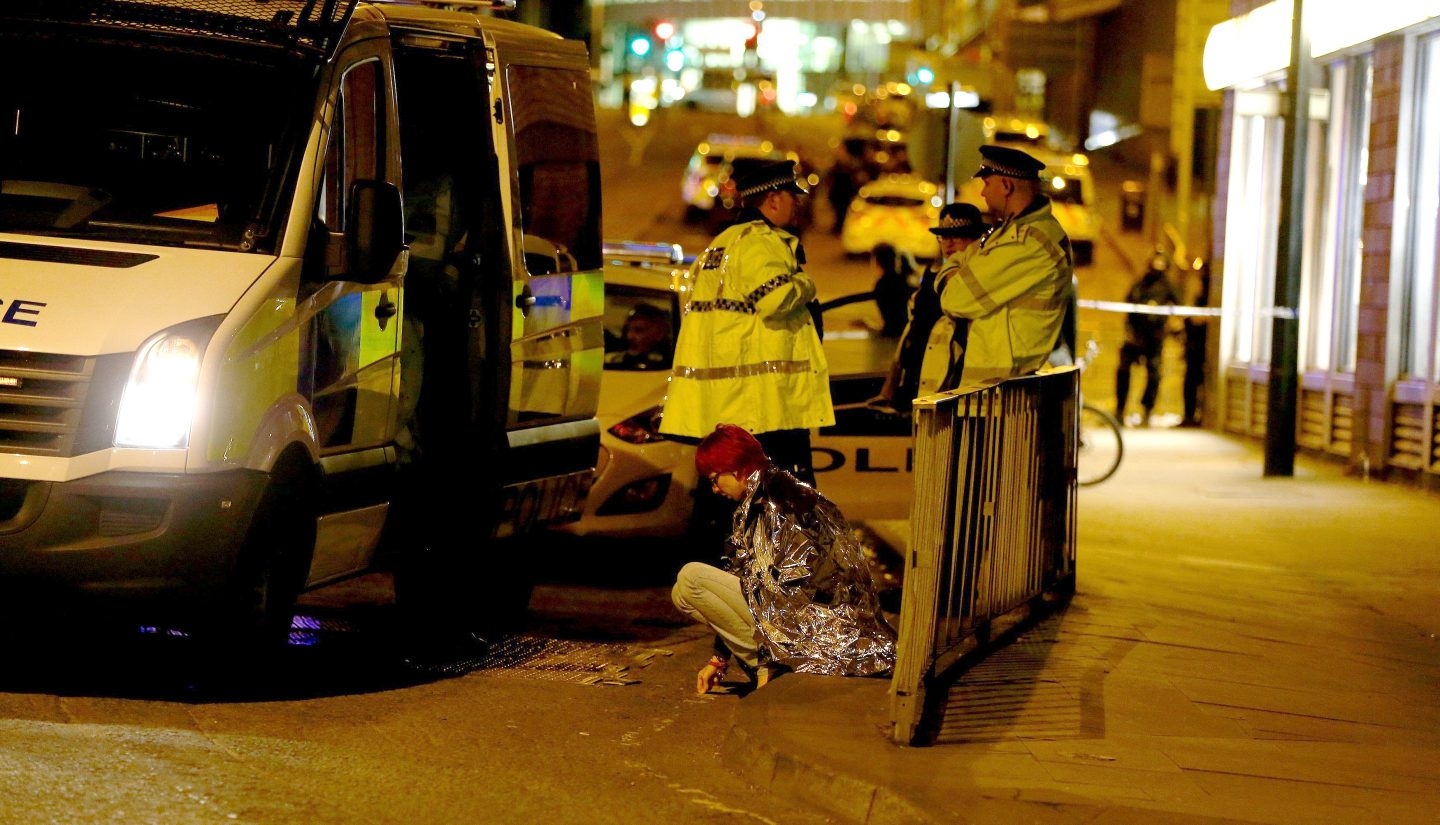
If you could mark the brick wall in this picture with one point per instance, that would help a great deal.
(1372, 380)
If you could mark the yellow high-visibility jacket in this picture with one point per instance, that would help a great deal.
(1014, 286)
(748, 353)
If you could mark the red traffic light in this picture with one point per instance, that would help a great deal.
(664, 30)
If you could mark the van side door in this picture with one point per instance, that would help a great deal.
(349, 346)
(557, 341)
(510, 348)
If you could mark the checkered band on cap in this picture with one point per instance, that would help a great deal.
(990, 167)
(1009, 162)
(953, 222)
(960, 220)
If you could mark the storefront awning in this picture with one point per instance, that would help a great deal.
(1249, 47)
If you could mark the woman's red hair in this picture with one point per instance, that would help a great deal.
(729, 449)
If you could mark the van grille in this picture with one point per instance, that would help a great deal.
(58, 405)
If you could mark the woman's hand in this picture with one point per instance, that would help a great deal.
(710, 675)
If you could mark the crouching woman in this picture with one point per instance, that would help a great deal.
(797, 592)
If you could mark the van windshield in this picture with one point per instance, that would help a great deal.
(136, 143)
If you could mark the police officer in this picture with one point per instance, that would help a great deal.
(1016, 286)
(748, 352)
(646, 337)
(932, 345)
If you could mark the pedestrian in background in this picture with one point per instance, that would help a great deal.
(929, 333)
(797, 592)
(1145, 336)
(748, 352)
(893, 287)
(847, 174)
(1197, 331)
(1017, 285)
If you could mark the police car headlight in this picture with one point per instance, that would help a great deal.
(158, 402)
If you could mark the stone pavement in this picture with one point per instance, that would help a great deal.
(1240, 649)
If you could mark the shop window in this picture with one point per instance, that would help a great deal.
(1251, 235)
(1419, 343)
(1332, 294)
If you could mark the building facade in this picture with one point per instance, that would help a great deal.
(723, 54)
(1369, 338)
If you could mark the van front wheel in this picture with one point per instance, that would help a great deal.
(258, 605)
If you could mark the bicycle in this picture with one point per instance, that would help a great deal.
(1101, 445)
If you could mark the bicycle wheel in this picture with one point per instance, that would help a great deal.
(1101, 446)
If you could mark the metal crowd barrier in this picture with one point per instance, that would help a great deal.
(992, 530)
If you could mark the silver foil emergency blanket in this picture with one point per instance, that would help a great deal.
(807, 582)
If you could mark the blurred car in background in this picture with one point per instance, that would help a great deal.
(643, 481)
(709, 189)
(1072, 199)
(713, 166)
(713, 91)
(887, 152)
(895, 209)
(1024, 133)
(736, 91)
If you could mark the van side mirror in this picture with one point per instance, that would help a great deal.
(374, 230)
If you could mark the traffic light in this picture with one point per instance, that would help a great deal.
(752, 40)
(664, 30)
(640, 44)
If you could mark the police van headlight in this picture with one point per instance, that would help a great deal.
(158, 402)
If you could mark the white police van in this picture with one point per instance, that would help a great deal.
(289, 289)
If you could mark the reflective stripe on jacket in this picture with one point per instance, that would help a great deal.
(1014, 286)
(748, 353)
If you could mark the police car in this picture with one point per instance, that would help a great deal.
(894, 209)
(1022, 132)
(1072, 200)
(708, 184)
(644, 481)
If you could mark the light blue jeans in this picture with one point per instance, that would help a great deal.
(713, 597)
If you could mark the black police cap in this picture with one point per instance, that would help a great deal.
(778, 176)
(1009, 162)
(960, 220)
